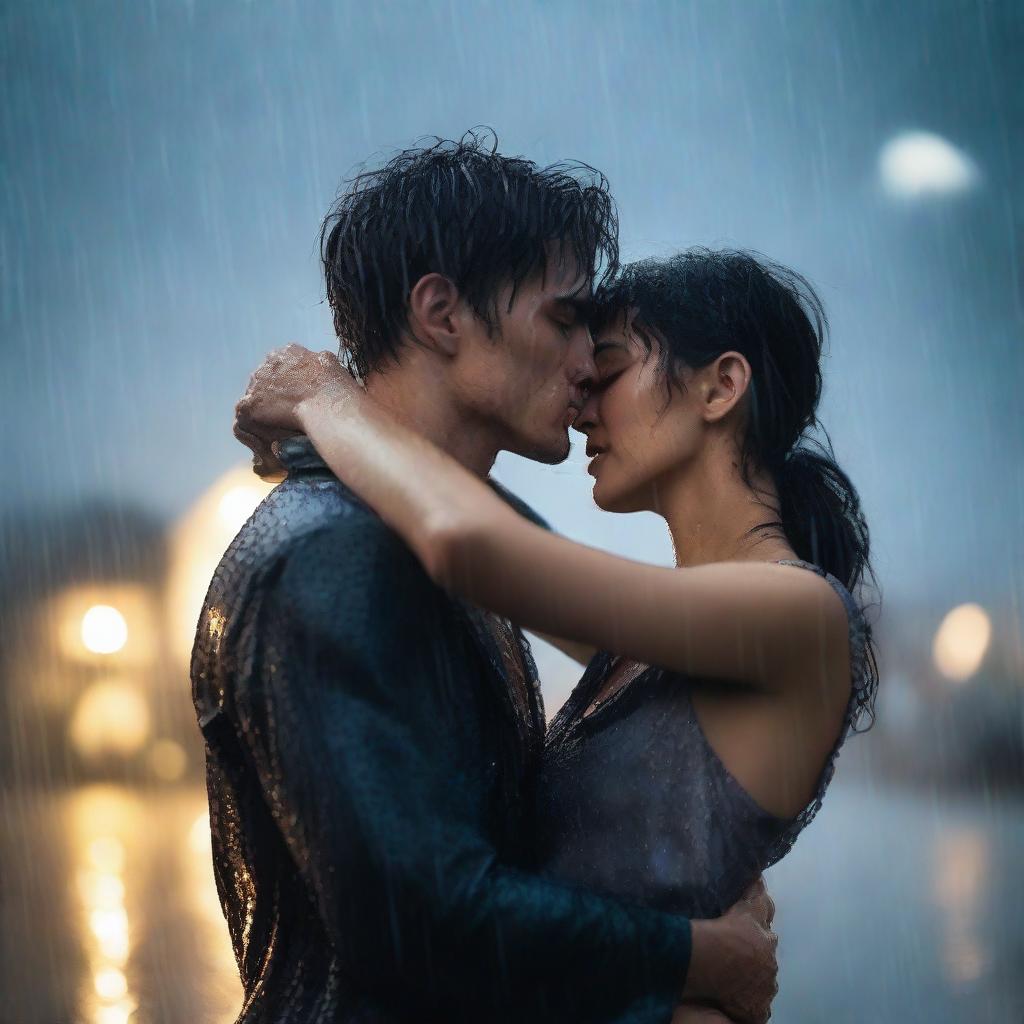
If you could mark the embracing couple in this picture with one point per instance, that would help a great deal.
(397, 837)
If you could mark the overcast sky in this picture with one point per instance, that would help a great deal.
(166, 166)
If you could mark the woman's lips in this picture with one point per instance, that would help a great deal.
(593, 463)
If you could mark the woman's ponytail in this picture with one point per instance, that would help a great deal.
(821, 514)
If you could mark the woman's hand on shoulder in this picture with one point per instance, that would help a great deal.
(278, 390)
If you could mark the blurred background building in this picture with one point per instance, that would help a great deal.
(166, 169)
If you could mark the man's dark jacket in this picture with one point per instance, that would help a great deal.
(366, 770)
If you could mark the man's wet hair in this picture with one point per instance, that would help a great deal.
(461, 209)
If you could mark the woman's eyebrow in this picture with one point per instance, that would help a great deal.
(602, 346)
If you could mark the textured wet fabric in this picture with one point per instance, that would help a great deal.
(632, 799)
(370, 759)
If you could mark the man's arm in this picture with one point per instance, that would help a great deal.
(359, 728)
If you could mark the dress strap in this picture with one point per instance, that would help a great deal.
(860, 680)
(853, 610)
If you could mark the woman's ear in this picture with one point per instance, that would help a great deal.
(725, 382)
(433, 305)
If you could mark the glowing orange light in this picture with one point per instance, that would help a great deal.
(111, 623)
(110, 718)
(167, 760)
(198, 543)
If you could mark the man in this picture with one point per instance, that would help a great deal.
(371, 742)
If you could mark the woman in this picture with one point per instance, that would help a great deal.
(703, 733)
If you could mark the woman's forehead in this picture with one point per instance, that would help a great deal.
(617, 330)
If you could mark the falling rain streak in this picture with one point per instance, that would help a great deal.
(168, 165)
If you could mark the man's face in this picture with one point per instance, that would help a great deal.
(529, 379)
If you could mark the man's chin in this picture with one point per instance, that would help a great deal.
(549, 452)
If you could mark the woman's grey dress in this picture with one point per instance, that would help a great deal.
(633, 801)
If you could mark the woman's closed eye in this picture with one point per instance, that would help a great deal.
(606, 377)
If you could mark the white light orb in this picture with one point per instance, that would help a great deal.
(110, 983)
(104, 630)
(962, 641)
(914, 165)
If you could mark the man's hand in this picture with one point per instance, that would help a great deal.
(733, 964)
(268, 411)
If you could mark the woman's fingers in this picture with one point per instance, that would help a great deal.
(265, 463)
(284, 379)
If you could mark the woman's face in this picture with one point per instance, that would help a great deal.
(637, 431)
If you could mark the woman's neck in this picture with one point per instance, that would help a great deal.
(711, 512)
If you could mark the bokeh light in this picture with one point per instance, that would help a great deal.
(197, 545)
(111, 717)
(167, 760)
(962, 641)
(104, 630)
(918, 164)
(238, 503)
(103, 624)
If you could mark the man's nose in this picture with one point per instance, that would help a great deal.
(584, 374)
(587, 418)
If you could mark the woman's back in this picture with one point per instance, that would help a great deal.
(634, 801)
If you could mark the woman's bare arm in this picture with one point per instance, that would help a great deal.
(742, 621)
(581, 653)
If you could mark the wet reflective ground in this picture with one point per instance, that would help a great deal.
(894, 906)
(110, 912)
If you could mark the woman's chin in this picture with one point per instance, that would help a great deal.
(610, 498)
(605, 498)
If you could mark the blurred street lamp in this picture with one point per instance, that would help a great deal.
(961, 642)
(104, 630)
(914, 165)
(106, 624)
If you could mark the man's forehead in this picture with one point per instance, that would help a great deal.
(564, 276)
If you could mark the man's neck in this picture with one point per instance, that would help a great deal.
(415, 393)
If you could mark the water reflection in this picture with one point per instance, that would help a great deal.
(117, 920)
(103, 819)
(197, 854)
(892, 907)
(961, 870)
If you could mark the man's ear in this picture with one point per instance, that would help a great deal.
(433, 308)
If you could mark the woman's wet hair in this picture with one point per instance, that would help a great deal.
(462, 209)
(688, 309)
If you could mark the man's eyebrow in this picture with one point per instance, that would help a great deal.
(582, 303)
